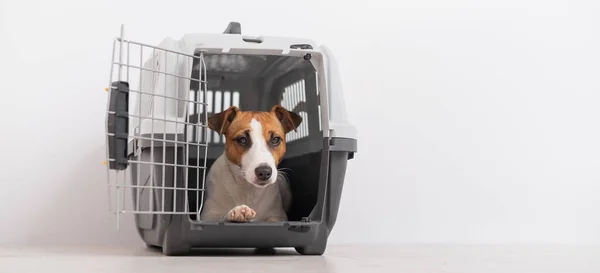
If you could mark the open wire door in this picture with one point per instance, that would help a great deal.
(156, 133)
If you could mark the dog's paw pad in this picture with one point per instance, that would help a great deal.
(241, 213)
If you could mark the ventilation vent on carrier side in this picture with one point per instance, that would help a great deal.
(294, 99)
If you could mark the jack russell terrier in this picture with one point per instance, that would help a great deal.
(243, 184)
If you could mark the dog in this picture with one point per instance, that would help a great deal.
(244, 185)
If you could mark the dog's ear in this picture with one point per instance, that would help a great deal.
(289, 120)
(220, 122)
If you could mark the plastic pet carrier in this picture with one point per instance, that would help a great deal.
(159, 148)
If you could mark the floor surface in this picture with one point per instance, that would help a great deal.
(348, 259)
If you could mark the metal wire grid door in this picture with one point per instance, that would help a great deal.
(151, 171)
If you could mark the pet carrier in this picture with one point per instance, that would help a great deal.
(159, 148)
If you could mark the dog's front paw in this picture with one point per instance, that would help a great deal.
(241, 214)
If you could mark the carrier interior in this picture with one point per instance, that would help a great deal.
(257, 82)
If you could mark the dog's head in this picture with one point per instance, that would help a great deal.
(255, 141)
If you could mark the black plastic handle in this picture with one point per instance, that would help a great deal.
(118, 125)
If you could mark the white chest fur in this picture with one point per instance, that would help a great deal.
(226, 189)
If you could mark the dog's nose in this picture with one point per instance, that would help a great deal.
(263, 172)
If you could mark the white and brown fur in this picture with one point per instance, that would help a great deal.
(236, 188)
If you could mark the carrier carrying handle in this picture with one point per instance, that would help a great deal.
(233, 28)
(118, 125)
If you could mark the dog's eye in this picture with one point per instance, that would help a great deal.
(242, 140)
(275, 141)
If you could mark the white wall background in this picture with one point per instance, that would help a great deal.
(478, 120)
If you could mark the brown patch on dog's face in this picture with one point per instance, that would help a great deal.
(248, 148)
(237, 138)
(239, 141)
(273, 134)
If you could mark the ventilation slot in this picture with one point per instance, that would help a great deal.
(294, 99)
